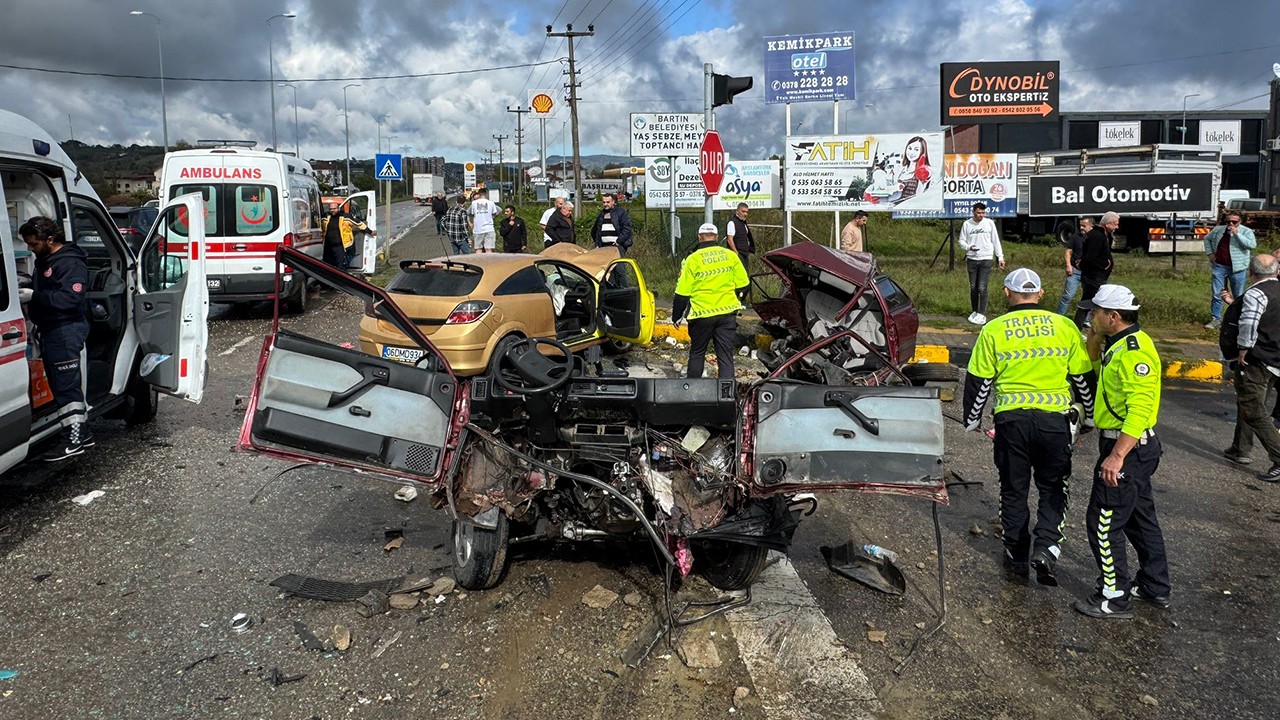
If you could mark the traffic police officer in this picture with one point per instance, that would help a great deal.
(707, 293)
(1121, 504)
(1036, 362)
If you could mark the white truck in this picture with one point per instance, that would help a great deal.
(1152, 232)
(425, 186)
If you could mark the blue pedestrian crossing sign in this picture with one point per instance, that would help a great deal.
(388, 167)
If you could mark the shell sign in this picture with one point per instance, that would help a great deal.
(542, 103)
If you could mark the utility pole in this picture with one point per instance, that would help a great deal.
(520, 113)
(501, 171)
(573, 109)
(490, 153)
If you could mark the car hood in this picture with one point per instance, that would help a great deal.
(595, 261)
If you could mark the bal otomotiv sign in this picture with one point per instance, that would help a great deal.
(1125, 194)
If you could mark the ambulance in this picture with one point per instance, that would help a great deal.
(148, 310)
(256, 201)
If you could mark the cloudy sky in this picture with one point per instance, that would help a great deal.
(646, 56)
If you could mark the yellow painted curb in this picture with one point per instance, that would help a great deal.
(1194, 370)
(932, 354)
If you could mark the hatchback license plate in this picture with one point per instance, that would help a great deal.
(407, 356)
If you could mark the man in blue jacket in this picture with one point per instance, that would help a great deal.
(58, 305)
(1228, 247)
(613, 226)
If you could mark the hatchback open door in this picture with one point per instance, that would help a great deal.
(317, 401)
(171, 309)
(626, 306)
(819, 437)
(364, 247)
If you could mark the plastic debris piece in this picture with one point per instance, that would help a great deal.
(382, 646)
(395, 543)
(150, 362)
(877, 636)
(8, 674)
(278, 678)
(372, 603)
(308, 638)
(341, 638)
(88, 497)
(407, 493)
(241, 622)
(695, 438)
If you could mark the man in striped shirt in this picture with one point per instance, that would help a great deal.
(1256, 360)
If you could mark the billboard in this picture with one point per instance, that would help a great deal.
(1119, 133)
(754, 182)
(667, 134)
(657, 183)
(1222, 133)
(999, 92)
(808, 68)
(990, 178)
(1125, 194)
(876, 173)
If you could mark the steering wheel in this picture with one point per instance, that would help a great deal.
(538, 373)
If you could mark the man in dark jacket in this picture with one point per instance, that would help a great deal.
(1095, 261)
(439, 206)
(515, 236)
(613, 225)
(1250, 341)
(560, 225)
(59, 308)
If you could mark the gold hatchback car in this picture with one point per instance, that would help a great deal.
(468, 304)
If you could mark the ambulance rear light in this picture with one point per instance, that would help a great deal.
(288, 240)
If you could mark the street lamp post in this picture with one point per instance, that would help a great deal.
(271, 62)
(1184, 115)
(346, 124)
(381, 118)
(164, 112)
(296, 152)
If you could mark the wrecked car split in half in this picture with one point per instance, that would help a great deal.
(539, 449)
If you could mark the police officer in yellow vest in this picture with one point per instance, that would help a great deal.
(707, 294)
(1037, 365)
(1121, 504)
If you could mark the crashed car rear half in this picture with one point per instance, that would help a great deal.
(539, 449)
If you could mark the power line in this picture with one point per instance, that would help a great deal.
(597, 17)
(404, 76)
(622, 55)
(616, 36)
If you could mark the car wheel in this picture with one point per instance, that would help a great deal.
(479, 553)
(616, 347)
(729, 565)
(296, 303)
(142, 402)
(921, 373)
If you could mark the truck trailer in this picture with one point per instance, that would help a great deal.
(425, 186)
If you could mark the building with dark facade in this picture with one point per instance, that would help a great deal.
(1248, 169)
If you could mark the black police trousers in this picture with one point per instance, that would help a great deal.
(720, 329)
(60, 347)
(1033, 443)
(1127, 511)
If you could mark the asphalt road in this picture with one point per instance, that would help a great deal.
(121, 608)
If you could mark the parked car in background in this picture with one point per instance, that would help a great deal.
(134, 223)
(469, 305)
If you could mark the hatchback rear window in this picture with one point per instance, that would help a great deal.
(435, 281)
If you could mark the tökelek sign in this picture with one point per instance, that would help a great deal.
(1092, 194)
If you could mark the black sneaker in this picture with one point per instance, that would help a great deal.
(1235, 457)
(1272, 475)
(1096, 606)
(79, 434)
(62, 451)
(1042, 562)
(1161, 601)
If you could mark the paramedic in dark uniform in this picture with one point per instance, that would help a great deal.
(711, 282)
(1037, 365)
(59, 308)
(1121, 504)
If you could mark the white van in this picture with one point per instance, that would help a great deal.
(255, 202)
(148, 312)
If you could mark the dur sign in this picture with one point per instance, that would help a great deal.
(1125, 194)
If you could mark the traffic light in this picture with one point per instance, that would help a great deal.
(723, 88)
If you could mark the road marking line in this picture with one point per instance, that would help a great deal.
(237, 346)
(799, 667)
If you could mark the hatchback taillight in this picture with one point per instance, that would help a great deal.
(468, 312)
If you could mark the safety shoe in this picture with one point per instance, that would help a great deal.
(1042, 561)
(1161, 601)
(1235, 457)
(1272, 475)
(1096, 606)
